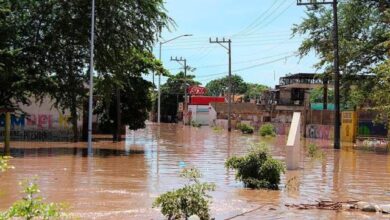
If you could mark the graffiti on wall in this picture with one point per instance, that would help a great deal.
(368, 128)
(281, 128)
(319, 131)
(38, 121)
(39, 135)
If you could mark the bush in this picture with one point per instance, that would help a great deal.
(217, 129)
(245, 129)
(192, 199)
(195, 124)
(267, 130)
(4, 163)
(315, 152)
(32, 206)
(257, 169)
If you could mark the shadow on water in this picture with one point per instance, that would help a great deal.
(64, 151)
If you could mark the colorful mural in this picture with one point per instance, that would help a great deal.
(38, 121)
(317, 131)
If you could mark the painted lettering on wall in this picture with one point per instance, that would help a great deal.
(38, 121)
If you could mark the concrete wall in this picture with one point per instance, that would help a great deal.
(40, 122)
(320, 131)
(200, 114)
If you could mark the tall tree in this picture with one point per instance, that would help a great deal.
(68, 56)
(363, 27)
(254, 91)
(125, 31)
(219, 86)
(172, 92)
(23, 57)
(125, 99)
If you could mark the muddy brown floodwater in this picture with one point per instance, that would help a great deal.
(121, 180)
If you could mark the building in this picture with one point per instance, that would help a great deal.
(198, 108)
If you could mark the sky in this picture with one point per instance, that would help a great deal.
(263, 48)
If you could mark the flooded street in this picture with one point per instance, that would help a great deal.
(122, 180)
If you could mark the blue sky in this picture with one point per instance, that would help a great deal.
(260, 30)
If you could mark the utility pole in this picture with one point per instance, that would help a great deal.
(179, 60)
(335, 64)
(229, 49)
(91, 70)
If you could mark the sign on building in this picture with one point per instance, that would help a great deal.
(196, 90)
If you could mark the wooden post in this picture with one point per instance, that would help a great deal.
(7, 133)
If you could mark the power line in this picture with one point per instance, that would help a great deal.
(246, 68)
(275, 18)
(241, 62)
(255, 22)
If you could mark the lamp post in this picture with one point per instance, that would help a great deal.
(159, 76)
(91, 70)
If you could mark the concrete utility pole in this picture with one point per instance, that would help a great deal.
(185, 78)
(91, 70)
(229, 49)
(159, 76)
(335, 64)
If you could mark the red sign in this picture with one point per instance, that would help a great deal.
(205, 100)
(196, 90)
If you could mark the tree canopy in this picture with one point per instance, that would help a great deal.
(172, 92)
(363, 32)
(219, 86)
(45, 50)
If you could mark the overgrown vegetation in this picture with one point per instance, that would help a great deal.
(257, 169)
(292, 184)
(195, 124)
(245, 129)
(4, 163)
(32, 206)
(192, 199)
(267, 130)
(364, 48)
(217, 129)
(315, 152)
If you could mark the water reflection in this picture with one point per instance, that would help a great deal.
(122, 179)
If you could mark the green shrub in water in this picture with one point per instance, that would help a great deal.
(192, 199)
(257, 169)
(315, 152)
(195, 124)
(217, 129)
(4, 163)
(267, 130)
(32, 206)
(246, 129)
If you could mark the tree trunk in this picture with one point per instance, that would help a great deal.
(7, 134)
(73, 114)
(117, 130)
(74, 124)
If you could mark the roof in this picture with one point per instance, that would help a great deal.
(301, 76)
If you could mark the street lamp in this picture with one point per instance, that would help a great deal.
(159, 76)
